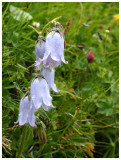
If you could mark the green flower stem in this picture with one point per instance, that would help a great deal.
(50, 23)
(69, 124)
(45, 25)
(34, 29)
(22, 141)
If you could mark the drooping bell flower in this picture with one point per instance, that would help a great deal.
(54, 50)
(40, 94)
(90, 57)
(26, 113)
(39, 50)
(49, 75)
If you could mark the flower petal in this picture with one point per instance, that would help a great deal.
(35, 93)
(46, 108)
(54, 50)
(45, 93)
(31, 117)
(57, 47)
(40, 93)
(55, 63)
(63, 59)
(49, 76)
(26, 113)
(23, 111)
(47, 62)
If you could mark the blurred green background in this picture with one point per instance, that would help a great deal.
(85, 120)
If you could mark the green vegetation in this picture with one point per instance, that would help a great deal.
(85, 120)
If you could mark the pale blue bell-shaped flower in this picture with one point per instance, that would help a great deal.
(26, 113)
(40, 94)
(39, 50)
(54, 50)
(49, 75)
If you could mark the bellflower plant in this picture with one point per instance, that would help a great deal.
(49, 54)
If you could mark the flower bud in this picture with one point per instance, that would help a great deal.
(41, 132)
(101, 26)
(35, 132)
(36, 24)
(39, 50)
(90, 57)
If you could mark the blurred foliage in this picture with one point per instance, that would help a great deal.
(85, 120)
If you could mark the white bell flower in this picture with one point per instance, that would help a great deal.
(40, 94)
(39, 50)
(54, 50)
(49, 75)
(26, 113)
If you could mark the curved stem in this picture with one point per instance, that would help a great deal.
(45, 25)
(34, 29)
(22, 141)
(49, 23)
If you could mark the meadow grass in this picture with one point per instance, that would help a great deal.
(85, 120)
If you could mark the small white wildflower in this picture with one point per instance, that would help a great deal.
(36, 24)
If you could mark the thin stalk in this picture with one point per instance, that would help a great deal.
(45, 25)
(70, 123)
(22, 141)
(34, 29)
(50, 23)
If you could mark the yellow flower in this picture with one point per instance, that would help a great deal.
(116, 16)
(107, 31)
